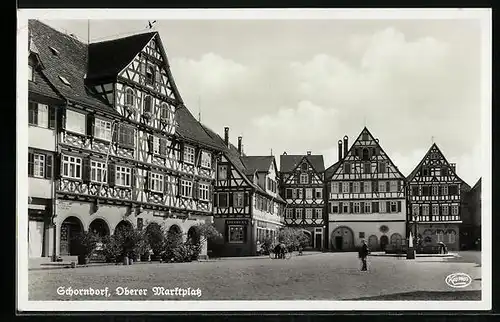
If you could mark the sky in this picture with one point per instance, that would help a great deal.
(301, 85)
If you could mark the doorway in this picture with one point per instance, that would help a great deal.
(70, 229)
(383, 242)
(339, 240)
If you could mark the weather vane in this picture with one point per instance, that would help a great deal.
(150, 24)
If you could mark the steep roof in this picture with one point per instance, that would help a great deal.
(257, 163)
(65, 60)
(433, 146)
(190, 129)
(477, 185)
(41, 86)
(331, 170)
(108, 58)
(288, 162)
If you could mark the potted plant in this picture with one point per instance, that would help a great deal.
(86, 243)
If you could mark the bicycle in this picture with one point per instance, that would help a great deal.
(282, 255)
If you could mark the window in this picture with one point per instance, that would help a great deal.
(366, 155)
(453, 190)
(345, 187)
(300, 193)
(367, 167)
(367, 186)
(204, 189)
(39, 165)
(356, 188)
(382, 167)
(319, 212)
(425, 171)
(288, 193)
(444, 171)
(335, 187)
(129, 97)
(435, 190)
(335, 207)
(148, 105)
(394, 186)
(381, 186)
(382, 206)
(298, 213)
(64, 80)
(357, 208)
(304, 178)
(425, 191)
(436, 172)
(304, 166)
(345, 208)
(38, 114)
(309, 213)
(294, 193)
(394, 206)
(206, 160)
(440, 236)
(222, 172)
(425, 210)
(102, 129)
(236, 234)
(309, 193)
(165, 113)
(126, 135)
(189, 154)
(186, 188)
(223, 201)
(238, 199)
(319, 193)
(368, 207)
(361, 234)
(415, 210)
(75, 122)
(71, 167)
(156, 145)
(30, 72)
(98, 172)
(435, 210)
(444, 190)
(444, 210)
(347, 168)
(150, 75)
(414, 191)
(123, 176)
(454, 210)
(156, 182)
(451, 236)
(289, 212)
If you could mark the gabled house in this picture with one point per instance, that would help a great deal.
(247, 205)
(302, 186)
(129, 151)
(435, 195)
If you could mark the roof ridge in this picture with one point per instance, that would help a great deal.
(139, 33)
(64, 33)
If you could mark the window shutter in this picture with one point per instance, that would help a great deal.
(86, 170)
(399, 206)
(350, 187)
(115, 128)
(387, 206)
(52, 117)
(375, 206)
(61, 118)
(146, 180)
(375, 186)
(158, 78)
(399, 185)
(48, 166)
(179, 186)
(195, 190)
(143, 70)
(133, 177)
(362, 208)
(166, 184)
(362, 187)
(90, 124)
(351, 207)
(111, 174)
(150, 144)
(245, 199)
(31, 163)
(181, 152)
(387, 186)
(57, 166)
(341, 204)
(230, 197)
(163, 147)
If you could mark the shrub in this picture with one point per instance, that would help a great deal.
(183, 253)
(155, 238)
(131, 242)
(112, 249)
(86, 244)
(172, 241)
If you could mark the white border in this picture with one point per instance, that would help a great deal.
(484, 15)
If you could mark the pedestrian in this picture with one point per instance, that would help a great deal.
(363, 254)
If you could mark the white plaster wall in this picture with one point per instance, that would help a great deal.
(41, 138)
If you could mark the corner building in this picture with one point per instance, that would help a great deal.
(366, 198)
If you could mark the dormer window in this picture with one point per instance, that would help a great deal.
(129, 97)
(30, 72)
(54, 51)
(150, 75)
(65, 81)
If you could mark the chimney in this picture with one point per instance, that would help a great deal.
(226, 136)
(240, 150)
(340, 150)
(453, 167)
(308, 152)
(345, 145)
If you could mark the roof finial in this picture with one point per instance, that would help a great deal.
(199, 108)
(365, 120)
(271, 151)
(432, 139)
(150, 24)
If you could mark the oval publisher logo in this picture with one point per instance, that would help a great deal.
(458, 280)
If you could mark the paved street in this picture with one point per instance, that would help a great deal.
(328, 276)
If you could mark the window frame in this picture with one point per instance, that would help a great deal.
(122, 170)
(150, 70)
(189, 158)
(335, 204)
(309, 193)
(335, 187)
(72, 129)
(309, 213)
(344, 185)
(206, 159)
(356, 207)
(239, 228)
(98, 167)
(204, 191)
(101, 126)
(226, 194)
(382, 185)
(368, 207)
(40, 165)
(158, 178)
(222, 168)
(238, 199)
(78, 166)
(186, 188)
(299, 213)
(129, 90)
(302, 180)
(395, 204)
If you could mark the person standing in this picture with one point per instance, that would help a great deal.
(363, 254)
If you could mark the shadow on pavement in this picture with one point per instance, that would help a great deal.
(426, 296)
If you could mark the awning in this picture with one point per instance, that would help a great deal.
(36, 207)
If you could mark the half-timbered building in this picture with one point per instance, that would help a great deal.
(366, 197)
(42, 147)
(247, 205)
(435, 196)
(129, 151)
(302, 187)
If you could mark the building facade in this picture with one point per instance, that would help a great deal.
(366, 197)
(435, 196)
(128, 151)
(247, 206)
(302, 187)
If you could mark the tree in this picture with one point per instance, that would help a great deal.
(155, 237)
(86, 244)
(204, 232)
